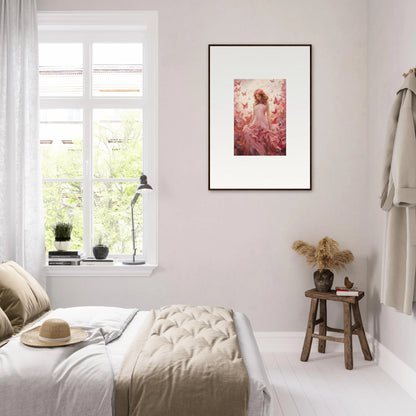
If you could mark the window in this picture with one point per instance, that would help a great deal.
(98, 127)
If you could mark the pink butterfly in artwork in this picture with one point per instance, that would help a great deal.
(275, 100)
(244, 93)
(245, 105)
(237, 82)
(272, 80)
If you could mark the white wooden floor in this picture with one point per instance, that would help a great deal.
(323, 387)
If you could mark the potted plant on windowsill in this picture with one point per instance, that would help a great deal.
(62, 231)
(326, 255)
(101, 250)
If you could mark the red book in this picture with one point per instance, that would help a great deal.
(344, 291)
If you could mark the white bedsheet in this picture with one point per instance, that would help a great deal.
(259, 398)
(75, 380)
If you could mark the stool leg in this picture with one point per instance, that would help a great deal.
(361, 334)
(309, 331)
(347, 336)
(322, 325)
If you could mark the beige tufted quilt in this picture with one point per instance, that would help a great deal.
(186, 361)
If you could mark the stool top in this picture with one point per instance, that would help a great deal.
(332, 295)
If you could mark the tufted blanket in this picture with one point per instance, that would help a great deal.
(186, 361)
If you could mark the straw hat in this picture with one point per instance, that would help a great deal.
(53, 333)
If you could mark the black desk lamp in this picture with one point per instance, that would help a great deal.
(141, 189)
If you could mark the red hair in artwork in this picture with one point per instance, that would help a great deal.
(263, 97)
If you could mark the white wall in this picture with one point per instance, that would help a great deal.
(391, 51)
(233, 248)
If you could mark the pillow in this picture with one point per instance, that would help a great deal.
(6, 330)
(21, 297)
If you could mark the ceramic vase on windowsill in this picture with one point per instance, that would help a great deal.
(100, 251)
(326, 255)
(62, 231)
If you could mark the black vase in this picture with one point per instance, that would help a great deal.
(323, 280)
(100, 252)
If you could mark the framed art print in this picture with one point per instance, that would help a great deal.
(260, 117)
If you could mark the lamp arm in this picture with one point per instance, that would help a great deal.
(132, 231)
(145, 187)
(134, 200)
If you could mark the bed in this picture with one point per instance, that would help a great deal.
(81, 379)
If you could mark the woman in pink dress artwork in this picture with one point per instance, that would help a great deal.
(259, 136)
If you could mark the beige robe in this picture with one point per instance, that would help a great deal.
(399, 200)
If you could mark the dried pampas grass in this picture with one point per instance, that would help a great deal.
(326, 255)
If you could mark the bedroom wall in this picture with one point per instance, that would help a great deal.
(391, 51)
(233, 248)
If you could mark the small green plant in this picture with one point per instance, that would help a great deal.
(100, 240)
(62, 231)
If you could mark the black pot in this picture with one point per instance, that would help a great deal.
(323, 280)
(100, 252)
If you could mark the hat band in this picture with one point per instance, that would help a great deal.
(54, 339)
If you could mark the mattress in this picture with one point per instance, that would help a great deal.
(259, 396)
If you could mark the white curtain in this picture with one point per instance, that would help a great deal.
(21, 210)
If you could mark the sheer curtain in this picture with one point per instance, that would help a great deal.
(21, 210)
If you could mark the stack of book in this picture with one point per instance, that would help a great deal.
(344, 291)
(64, 258)
(92, 261)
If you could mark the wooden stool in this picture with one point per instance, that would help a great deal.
(349, 329)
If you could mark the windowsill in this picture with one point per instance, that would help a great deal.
(117, 270)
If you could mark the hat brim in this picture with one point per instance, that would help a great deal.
(31, 338)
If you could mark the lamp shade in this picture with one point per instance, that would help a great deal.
(144, 186)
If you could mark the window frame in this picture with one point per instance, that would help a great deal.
(112, 26)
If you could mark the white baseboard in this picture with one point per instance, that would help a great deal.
(280, 341)
(293, 342)
(398, 370)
